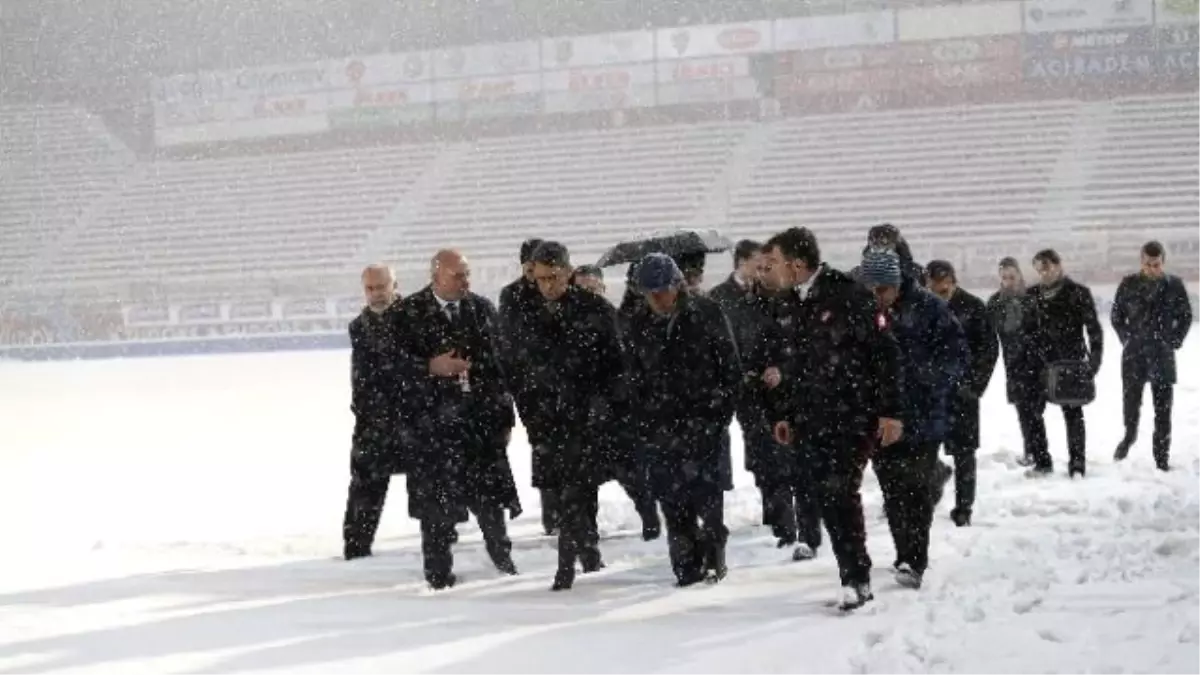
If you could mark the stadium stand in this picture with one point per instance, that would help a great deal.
(1146, 175)
(55, 162)
(935, 173)
(588, 189)
(239, 221)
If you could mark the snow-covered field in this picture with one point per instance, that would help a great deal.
(183, 515)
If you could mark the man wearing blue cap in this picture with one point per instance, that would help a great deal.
(933, 355)
(685, 375)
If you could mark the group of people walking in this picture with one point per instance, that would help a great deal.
(826, 372)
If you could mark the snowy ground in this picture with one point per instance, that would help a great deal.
(183, 515)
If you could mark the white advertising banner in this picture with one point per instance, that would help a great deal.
(688, 42)
(598, 50)
(838, 30)
(483, 60)
(478, 89)
(1051, 16)
(711, 80)
(961, 20)
(608, 88)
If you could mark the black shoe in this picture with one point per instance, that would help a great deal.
(1123, 449)
(714, 563)
(961, 517)
(690, 578)
(651, 530)
(354, 551)
(591, 561)
(1039, 471)
(564, 579)
(1076, 470)
(438, 582)
(907, 577)
(1025, 461)
(854, 596)
(506, 566)
(1163, 466)
(803, 552)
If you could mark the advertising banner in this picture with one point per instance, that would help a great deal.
(689, 42)
(484, 60)
(1053, 16)
(483, 97)
(1054, 60)
(608, 88)
(1176, 12)
(958, 20)
(598, 50)
(835, 30)
(712, 80)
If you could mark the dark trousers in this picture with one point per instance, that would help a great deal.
(364, 506)
(694, 513)
(905, 471)
(793, 507)
(578, 537)
(634, 481)
(835, 468)
(439, 533)
(964, 476)
(1164, 398)
(1037, 446)
(549, 510)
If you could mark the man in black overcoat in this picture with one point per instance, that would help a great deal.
(963, 438)
(377, 450)
(1152, 316)
(1061, 326)
(570, 385)
(840, 393)
(1007, 309)
(685, 383)
(459, 417)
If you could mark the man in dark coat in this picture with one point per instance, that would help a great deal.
(933, 352)
(1152, 316)
(1007, 309)
(1061, 326)
(459, 416)
(570, 385)
(963, 438)
(377, 450)
(748, 306)
(685, 376)
(839, 392)
(621, 446)
(520, 303)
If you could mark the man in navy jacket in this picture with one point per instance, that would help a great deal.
(933, 355)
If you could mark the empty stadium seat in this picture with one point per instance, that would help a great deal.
(55, 162)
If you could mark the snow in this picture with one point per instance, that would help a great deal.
(184, 514)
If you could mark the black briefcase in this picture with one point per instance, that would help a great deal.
(1070, 383)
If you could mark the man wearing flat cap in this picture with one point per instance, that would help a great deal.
(685, 376)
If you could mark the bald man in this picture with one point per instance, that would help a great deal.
(375, 386)
(459, 416)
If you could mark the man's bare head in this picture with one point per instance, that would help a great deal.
(379, 286)
(450, 275)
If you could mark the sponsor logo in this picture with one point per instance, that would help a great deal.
(680, 40)
(843, 58)
(1063, 41)
(739, 39)
(355, 70)
(957, 51)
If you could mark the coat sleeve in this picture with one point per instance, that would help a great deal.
(1179, 313)
(1119, 317)
(358, 369)
(500, 403)
(724, 351)
(884, 365)
(984, 347)
(1095, 332)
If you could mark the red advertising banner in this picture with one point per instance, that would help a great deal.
(936, 72)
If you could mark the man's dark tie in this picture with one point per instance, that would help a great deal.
(452, 310)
